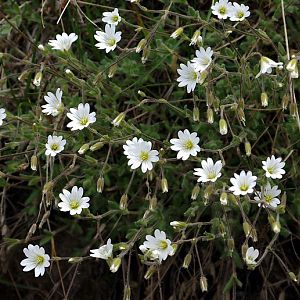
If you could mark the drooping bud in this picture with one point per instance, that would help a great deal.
(202, 77)
(75, 260)
(264, 99)
(293, 68)
(164, 185)
(41, 47)
(293, 109)
(208, 191)
(151, 270)
(210, 116)
(293, 276)
(177, 33)
(196, 38)
(203, 284)
(250, 231)
(196, 116)
(223, 126)
(124, 201)
(100, 184)
(115, 264)
(127, 292)
(141, 45)
(33, 162)
(224, 198)
(145, 55)
(285, 101)
(38, 78)
(195, 192)
(248, 148)
(112, 70)
(83, 148)
(241, 115)
(141, 93)
(187, 261)
(230, 245)
(118, 119)
(152, 203)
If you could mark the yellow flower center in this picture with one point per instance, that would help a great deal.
(84, 121)
(144, 156)
(195, 76)
(111, 42)
(54, 147)
(40, 259)
(222, 10)
(163, 245)
(240, 14)
(74, 204)
(189, 145)
(211, 175)
(271, 170)
(244, 187)
(268, 198)
(115, 18)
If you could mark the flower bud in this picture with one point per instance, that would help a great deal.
(202, 77)
(248, 148)
(293, 109)
(164, 185)
(38, 78)
(33, 162)
(250, 231)
(196, 38)
(141, 93)
(293, 276)
(244, 250)
(195, 192)
(112, 70)
(293, 68)
(75, 260)
(264, 99)
(208, 191)
(151, 270)
(203, 284)
(210, 116)
(174, 249)
(145, 55)
(100, 184)
(196, 117)
(241, 115)
(41, 47)
(97, 146)
(224, 198)
(223, 126)
(141, 45)
(119, 118)
(285, 101)
(124, 201)
(230, 245)
(152, 203)
(178, 225)
(276, 227)
(177, 33)
(83, 148)
(187, 261)
(115, 264)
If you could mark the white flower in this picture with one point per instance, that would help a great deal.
(2, 115)
(104, 252)
(63, 42)
(139, 154)
(266, 65)
(81, 117)
(210, 171)
(251, 256)
(112, 18)
(274, 167)
(54, 104)
(108, 40)
(243, 184)
(222, 9)
(36, 259)
(55, 145)
(269, 194)
(159, 245)
(203, 59)
(239, 12)
(152, 255)
(73, 201)
(186, 144)
(189, 77)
